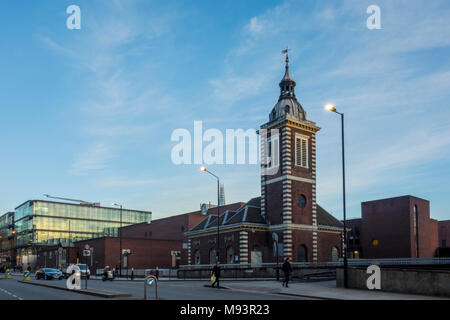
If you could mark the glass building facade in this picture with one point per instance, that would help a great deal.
(6, 238)
(40, 223)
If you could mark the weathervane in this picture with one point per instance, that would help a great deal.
(286, 52)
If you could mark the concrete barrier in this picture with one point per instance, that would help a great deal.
(412, 281)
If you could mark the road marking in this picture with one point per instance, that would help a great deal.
(9, 293)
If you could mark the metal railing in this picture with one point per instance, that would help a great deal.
(351, 262)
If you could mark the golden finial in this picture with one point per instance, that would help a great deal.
(286, 52)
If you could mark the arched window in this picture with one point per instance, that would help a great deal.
(197, 257)
(230, 255)
(256, 255)
(302, 253)
(334, 254)
(212, 256)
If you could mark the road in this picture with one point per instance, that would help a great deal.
(167, 290)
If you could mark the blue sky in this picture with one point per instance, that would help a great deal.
(89, 113)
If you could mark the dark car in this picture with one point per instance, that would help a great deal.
(49, 274)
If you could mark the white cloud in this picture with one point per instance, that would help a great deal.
(255, 26)
(94, 158)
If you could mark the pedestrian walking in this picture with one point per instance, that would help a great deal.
(216, 273)
(287, 269)
(132, 273)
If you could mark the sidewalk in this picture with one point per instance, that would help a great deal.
(322, 290)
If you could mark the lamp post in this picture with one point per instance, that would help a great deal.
(218, 210)
(332, 108)
(13, 245)
(275, 239)
(120, 239)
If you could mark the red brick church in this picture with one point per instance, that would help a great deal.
(286, 213)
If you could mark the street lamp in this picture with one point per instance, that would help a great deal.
(218, 210)
(13, 245)
(120, 239)
(332, 108)
(275, 239)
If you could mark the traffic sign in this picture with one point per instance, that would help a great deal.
(151, 281)
(86, 253)
(86, 247)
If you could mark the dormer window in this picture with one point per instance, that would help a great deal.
(287, 109)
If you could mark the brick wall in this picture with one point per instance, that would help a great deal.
(146, 253)
(391, 222)
(327, 240)
(444, 233)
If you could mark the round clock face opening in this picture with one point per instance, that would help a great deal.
(301, 201)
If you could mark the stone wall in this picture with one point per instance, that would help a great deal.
(412, 281)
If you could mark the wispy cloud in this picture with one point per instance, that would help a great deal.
(389, 97)
(114, 101)
(94, 158)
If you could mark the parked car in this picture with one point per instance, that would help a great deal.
(49, 274)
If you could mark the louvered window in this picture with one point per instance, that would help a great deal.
(273, 151)
(301, 152)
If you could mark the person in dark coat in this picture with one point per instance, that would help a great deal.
(287, 269)
(157, 273)
(216, 273)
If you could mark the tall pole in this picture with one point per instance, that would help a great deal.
(120, 241)
(331, 107)
(218, 215)
(70, 236)
(278, 270)
(218, 209)
(343, 199)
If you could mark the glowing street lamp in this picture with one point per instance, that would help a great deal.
(332, 108)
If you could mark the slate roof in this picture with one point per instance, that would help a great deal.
(326, 219)
(250, 212)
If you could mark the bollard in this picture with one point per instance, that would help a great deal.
(8, 274)
(149, 282)
(26, 275)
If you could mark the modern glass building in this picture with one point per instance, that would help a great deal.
(39, 223)
(6, 238)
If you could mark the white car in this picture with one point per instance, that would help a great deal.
(84, 270)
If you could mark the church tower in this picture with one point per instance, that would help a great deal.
(288, 174)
